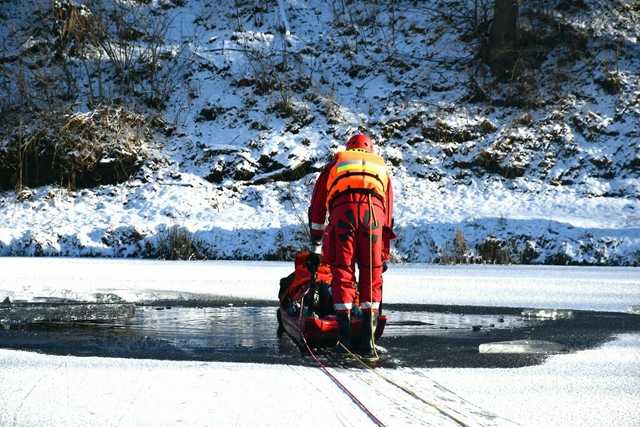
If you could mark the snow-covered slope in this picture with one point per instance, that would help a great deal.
(541, 168)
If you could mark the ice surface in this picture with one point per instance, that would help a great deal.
(599, 387)
(18, 314)
(594, 387)
(548, 314)
(522, 346)
(72, 391)
(545, 287)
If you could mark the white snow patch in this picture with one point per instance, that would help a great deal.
(613, 289)
(593, 387)
(599, 387)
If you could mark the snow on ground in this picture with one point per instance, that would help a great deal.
(257, 222)
(593, 387)
(71, 391)
(598, 387)
(613, 289)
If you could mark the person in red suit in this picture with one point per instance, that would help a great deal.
(355, 189)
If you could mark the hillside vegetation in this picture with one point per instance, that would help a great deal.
(127, 121)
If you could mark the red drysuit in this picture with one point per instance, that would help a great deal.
(359, 230)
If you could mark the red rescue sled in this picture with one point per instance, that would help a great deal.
(320, 332)
(306, 311)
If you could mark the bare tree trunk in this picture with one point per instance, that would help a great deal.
(505, 23)
(501, 52)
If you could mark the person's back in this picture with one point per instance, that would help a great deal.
(356, 190)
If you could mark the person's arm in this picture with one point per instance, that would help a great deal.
(318, 208)
(387, 229)
(389, 207)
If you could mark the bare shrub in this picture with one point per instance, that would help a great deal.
(459, 244)
(331, 109)
(178, 243)
(494, 251)
(611, 82)
(103, 146)
(455, 252)
(74, 26)
(89, 42)
(296, 112)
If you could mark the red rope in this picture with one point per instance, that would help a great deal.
(324, 369)
(341, 386)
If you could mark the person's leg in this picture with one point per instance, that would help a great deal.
(370, 265)
(343, 269)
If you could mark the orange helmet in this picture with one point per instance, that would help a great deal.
(360, 142)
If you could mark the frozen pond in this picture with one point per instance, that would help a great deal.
(225, 310)
(196, 361)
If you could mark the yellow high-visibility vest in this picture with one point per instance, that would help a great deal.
(356, 170)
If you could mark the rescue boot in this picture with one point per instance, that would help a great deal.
(367, 339)
(344, 330)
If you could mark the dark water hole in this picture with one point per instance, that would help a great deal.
(416, 336)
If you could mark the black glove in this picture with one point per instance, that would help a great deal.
(313, 262)
(385, 267)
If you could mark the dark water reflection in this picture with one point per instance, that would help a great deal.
(414, 337)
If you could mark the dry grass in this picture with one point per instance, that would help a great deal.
(104, 146)
(455, 252)
(611, 82)
(177, 243)
(494, 251)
